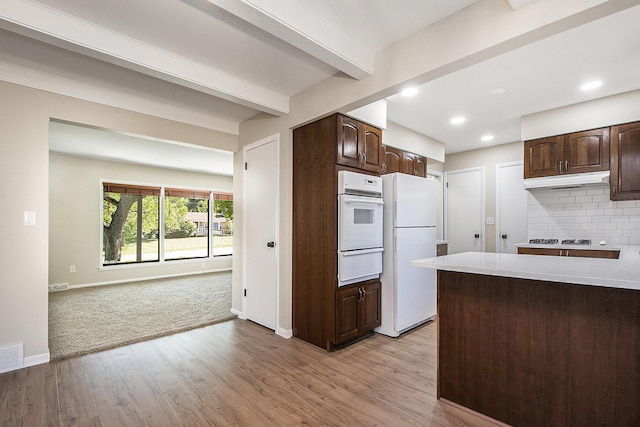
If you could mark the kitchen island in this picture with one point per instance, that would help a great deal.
(538, 340)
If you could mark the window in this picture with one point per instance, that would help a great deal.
(188, 224)
(222, 224)
(130, 217)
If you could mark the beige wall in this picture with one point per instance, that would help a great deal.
(488, 157)
(75, 212)
(24, 169)
(406, 139)
(612, 110)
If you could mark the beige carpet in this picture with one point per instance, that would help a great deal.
(91, 319)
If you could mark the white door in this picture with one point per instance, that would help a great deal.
(464, 206)
(260, 246)
(511, 207)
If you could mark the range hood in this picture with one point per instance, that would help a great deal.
(568, 181)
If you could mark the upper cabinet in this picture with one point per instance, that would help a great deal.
(586, 151)
(396, 160)
(578, 152)
(625, 162)
(359, 144)
(393, 160)
(415, 164)
(542, 157)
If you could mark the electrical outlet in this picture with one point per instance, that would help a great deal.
(72, 269)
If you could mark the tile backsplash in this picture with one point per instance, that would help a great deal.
(585, 213)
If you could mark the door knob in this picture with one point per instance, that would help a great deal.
(271, 244)
(477, 236)
(504, 236)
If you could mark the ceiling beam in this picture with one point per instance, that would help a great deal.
(290, 22)
(48, 25)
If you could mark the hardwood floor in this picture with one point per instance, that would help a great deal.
(236, 374)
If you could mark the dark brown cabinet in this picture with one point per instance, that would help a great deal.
(578, 152)
(583, 253)
(357, 310)
(359, 145)
(625, 162)
(415, 165)
(442, 249)
(396, 160)
(324, 314)
(393, 160)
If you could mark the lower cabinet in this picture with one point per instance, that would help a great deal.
(442, 249)
(358, 310)
(584, 253)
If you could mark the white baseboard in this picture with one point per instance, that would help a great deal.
(238, 313)
(37, 359)
(285, 333)
(142, 279)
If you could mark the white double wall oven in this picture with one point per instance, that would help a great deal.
(360, 227)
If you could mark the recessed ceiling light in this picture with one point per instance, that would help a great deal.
(591, 85)
(410, 91)
(487, 138)
(497, 91)
(458, 120)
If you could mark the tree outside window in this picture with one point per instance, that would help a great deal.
(132, 230)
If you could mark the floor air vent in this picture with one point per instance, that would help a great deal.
(11, 358)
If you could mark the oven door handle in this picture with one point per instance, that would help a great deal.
(366, 201)
(360, 251)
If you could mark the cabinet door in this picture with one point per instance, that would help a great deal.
(371, 147)
(348, 142)
(542, 157)
(586, 151)
(587, 253)
(347, 321)
(625, 162)
(371, 308)
(541, 251)
(392, 160)
(414, 164)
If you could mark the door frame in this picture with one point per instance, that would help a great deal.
(445, 202)
(440, 225)
(275, 139)
(499, 168)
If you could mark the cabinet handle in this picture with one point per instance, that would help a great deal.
(384, 167)
(361, 293)
(560, 166)
(614, 189)
(566, 165)
(364, 158)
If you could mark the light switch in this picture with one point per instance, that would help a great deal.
(29, 219)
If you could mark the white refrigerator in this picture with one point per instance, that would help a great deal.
(408, 296)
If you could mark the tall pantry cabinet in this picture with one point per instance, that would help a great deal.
(323, 314)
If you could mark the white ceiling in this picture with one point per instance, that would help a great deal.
(538, 77)
(216, 63)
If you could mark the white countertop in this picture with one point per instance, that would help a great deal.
(621, 273)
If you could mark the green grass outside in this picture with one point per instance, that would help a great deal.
(150, 246)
